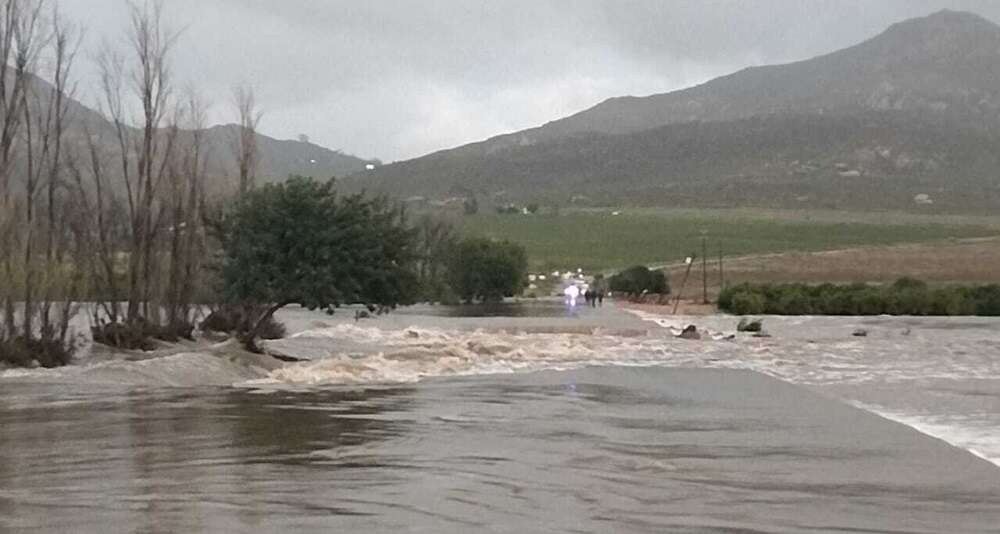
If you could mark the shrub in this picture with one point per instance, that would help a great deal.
(128, 336)
(951, 301)
(172, 332)
(795, 301)
(985, 299)
(747, 303)
(907, 300)
(14, 352)
(24, 352)
(907, 283)
(906, 296)
(639, 279)
(236, 320)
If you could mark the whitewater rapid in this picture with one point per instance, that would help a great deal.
(940, 376)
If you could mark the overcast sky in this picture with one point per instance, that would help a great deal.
(396, 79)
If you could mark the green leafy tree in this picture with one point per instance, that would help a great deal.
(435, 239)
(298, 242)
(638, 279)
(486, 270)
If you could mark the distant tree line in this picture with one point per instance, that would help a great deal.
(906, 296)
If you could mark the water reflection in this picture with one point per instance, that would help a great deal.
(590, 450)
(540, 308)
(171, 460)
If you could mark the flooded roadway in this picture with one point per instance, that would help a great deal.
(423, 421)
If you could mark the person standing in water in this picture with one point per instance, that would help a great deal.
(599, 289)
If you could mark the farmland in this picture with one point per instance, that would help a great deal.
(599, 240)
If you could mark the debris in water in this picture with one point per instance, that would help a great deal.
(690, 332)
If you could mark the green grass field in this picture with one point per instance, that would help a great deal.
(596, 240)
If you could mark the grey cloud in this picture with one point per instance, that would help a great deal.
(396, 79)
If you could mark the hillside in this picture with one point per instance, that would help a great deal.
(278, 158)
(947, 61)
(912, 111)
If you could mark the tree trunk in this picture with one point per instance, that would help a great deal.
(250, 338)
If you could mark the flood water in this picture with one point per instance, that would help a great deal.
(423, 422)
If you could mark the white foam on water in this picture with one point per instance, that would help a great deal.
(811, 351)
(978, 436)
(182, 369)
(413, 354)
(915, 359)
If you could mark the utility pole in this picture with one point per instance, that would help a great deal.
(704, 269)
(722, 275)
(690, 263)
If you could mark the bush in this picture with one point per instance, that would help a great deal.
(747, 303)
(22, 352)
(951, 301)
(639, 279)
(127, 336)
(236, 320)
(172, 332)
(911, 284)
(985, 299)
(138, 335)
(906, 296)
(795, 301)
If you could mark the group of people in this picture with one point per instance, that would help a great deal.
(593, 296)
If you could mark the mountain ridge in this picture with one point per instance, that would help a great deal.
(942, 70)
(898, 38)
(279, 158)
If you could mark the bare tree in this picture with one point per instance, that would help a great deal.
(46, 118)
(143, 152)
(187, 240)
(20, 42)
(37, 219)
(246, 150)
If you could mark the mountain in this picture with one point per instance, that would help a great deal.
(278, 158)
(912, 111)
